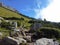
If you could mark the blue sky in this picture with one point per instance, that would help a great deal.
(25, 6)
(48, 9)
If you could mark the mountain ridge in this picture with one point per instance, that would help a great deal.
(14, 10)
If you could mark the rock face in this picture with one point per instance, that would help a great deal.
(35, 26)
(45, 41)
(13, 41)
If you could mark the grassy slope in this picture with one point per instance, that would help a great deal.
(4, 12)
(7, 13)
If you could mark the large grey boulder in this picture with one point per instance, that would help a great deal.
(45, 41)
(14, 41)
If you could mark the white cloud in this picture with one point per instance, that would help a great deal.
(37, 11)
(51, 12)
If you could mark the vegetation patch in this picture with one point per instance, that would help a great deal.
(46, 32)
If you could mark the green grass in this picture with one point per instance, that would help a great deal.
(5, 32)
(59, 40)
(4, 12)
(7, 13)
(4, 29)
(49, 32)
(51, 28)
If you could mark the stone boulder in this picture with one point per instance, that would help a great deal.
(14, 41)
(45, 41)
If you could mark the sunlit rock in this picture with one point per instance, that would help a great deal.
(45, 41)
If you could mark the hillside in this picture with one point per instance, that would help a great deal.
(15, 16)
(47, 27)
(22, 19)
(7, 13)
